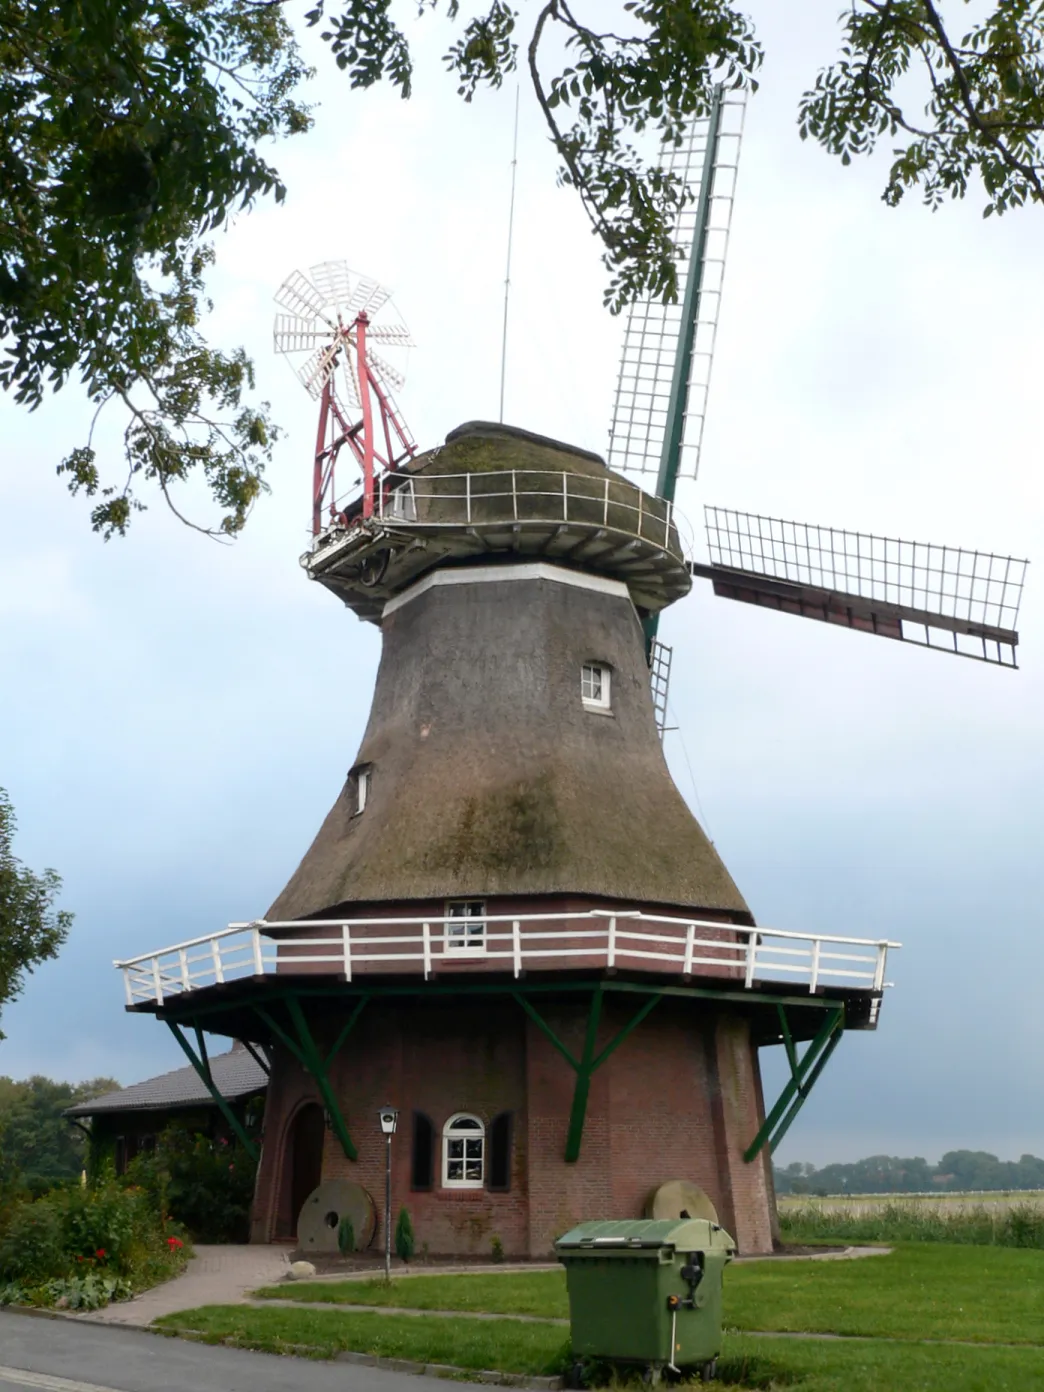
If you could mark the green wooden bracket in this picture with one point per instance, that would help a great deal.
(588, 1063)
(258, 1058)
(305, 1050)
(582, 1089)
(201, 1063)
(803, 1075)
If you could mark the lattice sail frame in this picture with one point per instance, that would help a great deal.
(654, 331)
(946, 597)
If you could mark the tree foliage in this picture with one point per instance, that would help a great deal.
(31, 929)
(130, 133)
(959, 1171)
(39, 1148)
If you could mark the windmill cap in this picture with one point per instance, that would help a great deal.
(496, 430)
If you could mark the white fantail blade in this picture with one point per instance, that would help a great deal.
(398, 334)
(353, 396)
(315, 373)
(299, 296)
(368, 296)
(292, 334)
(390, 378)
(333, 280)
(965, 602)
(654, 331)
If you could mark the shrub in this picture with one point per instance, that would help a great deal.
(83, 1246)
(497, 1248)
(206, 1185)
(404, 1239)
(345, 1236)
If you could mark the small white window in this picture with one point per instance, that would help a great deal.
(465, 925)
(463, 1152)
(594, 685)
(361, 778)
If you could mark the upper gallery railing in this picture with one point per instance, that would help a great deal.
(521, 497)
(395, 945)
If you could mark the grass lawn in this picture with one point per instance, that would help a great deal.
(508, 1293)
(537, 1349)
(919, 1291)
(799, 1365)
(983, 1296)
(987, 1294)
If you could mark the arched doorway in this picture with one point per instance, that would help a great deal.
(303, 1164)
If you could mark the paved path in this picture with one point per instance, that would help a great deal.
(216, 1275)
(71, 1356)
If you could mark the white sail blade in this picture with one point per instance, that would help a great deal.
(946, 597)
(653, 335)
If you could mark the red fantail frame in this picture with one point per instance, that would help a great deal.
(378, 448)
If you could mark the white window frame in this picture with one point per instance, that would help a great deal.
(401, 502)
(471, 1139)
(362, 778)
(465, 926)
(596, 685)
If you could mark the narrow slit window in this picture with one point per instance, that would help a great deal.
(595, 683)
(360, 779)
(465, 925)
(463, 1152)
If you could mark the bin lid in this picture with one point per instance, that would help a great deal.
(645, 1234)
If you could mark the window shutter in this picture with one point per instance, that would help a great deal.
(500, 1137)
(422, 1164)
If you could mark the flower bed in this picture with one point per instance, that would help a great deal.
(82, 1247)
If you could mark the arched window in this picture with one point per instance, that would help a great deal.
(463, 1152)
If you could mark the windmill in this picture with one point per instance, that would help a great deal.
(509, 923)
(332, 319)
(948, 598)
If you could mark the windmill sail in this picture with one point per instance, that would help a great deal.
(661, 395)
(944, 597)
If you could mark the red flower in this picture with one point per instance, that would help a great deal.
(173, 1242)
(100, 1253)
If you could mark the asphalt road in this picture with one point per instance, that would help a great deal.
(67, 1356)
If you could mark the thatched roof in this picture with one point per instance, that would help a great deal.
(489, 776)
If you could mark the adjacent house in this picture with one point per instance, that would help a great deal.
(126, 1122)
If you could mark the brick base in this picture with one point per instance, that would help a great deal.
(678, 1099)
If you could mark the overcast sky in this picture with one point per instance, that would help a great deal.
(176, 716)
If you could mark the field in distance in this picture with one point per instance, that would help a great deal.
(951, 1203)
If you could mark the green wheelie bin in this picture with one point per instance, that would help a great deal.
(647, 1291)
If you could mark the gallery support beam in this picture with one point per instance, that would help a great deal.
(589, 1062)
(201, 1063)
(306, 1051)
(804, 1072)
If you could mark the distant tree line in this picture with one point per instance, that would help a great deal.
(39, 1148)
(891, 1174)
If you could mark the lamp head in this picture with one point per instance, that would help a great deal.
(389, 1120)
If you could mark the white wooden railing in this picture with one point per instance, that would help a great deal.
(524, 498)
(685, 947)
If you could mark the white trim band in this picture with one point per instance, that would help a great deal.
(531, 570)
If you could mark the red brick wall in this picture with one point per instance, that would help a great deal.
(678, 1099)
